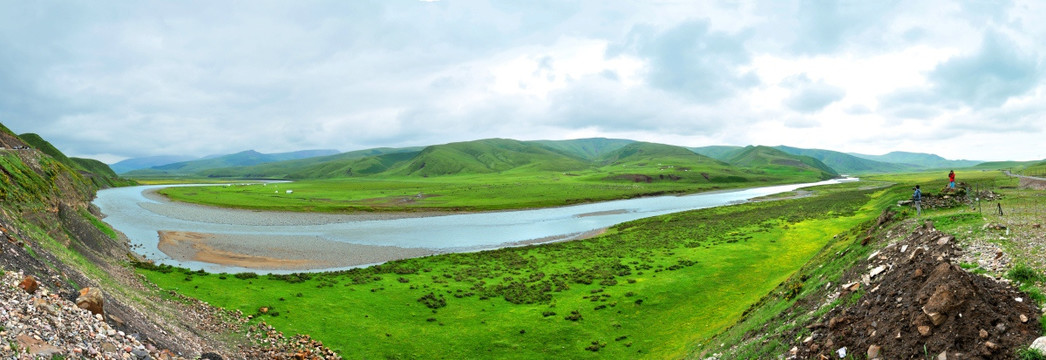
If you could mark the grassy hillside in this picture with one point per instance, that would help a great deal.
(1035, 169)
(498, 174)
(590, 149)
(352, 163)
(846, 163)
(778, 162)
(718, 152)
(489, 156)
(93, 170)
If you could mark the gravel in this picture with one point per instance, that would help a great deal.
(45, 325)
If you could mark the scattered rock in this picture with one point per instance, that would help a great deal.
(873, 351)
(29, 284)
(1024, 318)
(924, 330)
(983, 334)
(877, 270)
(91, 299)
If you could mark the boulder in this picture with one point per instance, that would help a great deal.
(29, 284)
(873, 351)
(943, 301)
(1039, 344)
(91, 299)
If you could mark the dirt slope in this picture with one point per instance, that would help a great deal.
(912, 295)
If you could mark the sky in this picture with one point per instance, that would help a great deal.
(113, 80)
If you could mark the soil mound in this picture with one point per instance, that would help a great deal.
(911, 302)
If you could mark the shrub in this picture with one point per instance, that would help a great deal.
(246, 275)
(432, 302)
(1024, 274)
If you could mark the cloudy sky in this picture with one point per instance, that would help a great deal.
(113, 80)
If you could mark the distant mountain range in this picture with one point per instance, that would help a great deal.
(190, 167)
(852, 163)
(507, 155)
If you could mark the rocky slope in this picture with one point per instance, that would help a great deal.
(69, 290)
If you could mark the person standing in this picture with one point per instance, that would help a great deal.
(951, 179)
(917, 198)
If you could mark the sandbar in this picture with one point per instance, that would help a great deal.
(277, 252)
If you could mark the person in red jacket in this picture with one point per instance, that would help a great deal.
(951, 179)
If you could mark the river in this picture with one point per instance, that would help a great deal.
(142, 215)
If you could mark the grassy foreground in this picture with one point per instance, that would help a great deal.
(465, 192)
(651, 288)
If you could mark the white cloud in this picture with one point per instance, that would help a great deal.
(202, 77)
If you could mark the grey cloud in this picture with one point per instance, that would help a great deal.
(595, 102)
(692, 61)
(996, 73)
(826, 26)
(913, 103)
(810, 96)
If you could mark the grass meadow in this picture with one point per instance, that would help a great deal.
(652, 288)
(453, 193)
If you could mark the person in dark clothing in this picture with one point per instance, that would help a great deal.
(917, 198)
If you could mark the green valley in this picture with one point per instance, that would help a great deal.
(650, 288)
(498, 174)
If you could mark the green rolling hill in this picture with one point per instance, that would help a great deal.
(590, 149)
(352, 163)
(594, 159)
(244, 158)
(846, 163)
(778, 162)
(718, 152)
(920, 160)
(642, 161)
(489, 156)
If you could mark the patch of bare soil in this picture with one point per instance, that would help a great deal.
(910, 301)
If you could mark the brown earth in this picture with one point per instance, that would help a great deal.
(914, 302)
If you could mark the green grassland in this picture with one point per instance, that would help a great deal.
(465, 192)
(651, 288)
(504, 174)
